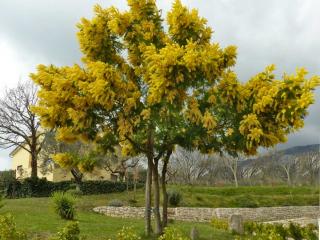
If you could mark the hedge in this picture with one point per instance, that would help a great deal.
(42, 188)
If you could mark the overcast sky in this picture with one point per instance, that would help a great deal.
(285, 33)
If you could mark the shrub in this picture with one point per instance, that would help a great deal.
(278, 232)
(115, 203)
(127, 233)
(220, 224)
(70, 232)
(259, 229)
(171, 233)
(35, 187)
(42, 188)
(1, 201)
(295, 231)
(8, 229)
(64, 205)
(251, 228)
(6, 177)
(309, 232)
(174, 198)
(13, 189)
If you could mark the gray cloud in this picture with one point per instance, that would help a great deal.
(285, 33)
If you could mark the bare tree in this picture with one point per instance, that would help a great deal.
(250, 171)
(232, 163)
(211, 166)
(115, 163)
(19, 126)
(289, 166)
(51, 146)
(310, 166)
(188, 166)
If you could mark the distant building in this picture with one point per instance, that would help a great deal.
(21, 164)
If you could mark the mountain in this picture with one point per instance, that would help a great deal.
(284, 154)
(297, 150)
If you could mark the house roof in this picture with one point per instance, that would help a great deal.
(17, 149)
(14, 151)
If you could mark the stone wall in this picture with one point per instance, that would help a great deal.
(206, 214)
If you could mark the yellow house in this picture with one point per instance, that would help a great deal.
(21, 163)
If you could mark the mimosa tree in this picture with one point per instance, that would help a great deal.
(148, 88)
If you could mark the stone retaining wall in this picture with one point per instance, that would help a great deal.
(206, 214)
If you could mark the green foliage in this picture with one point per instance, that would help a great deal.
(43, 188)
(261, 231)
(174, 198)
(8, 229)
(35, 187)
(6, 177)
(295, 231)
(220, 224)
(309, 232)
(171, 233)
(127, 233)
(115, 203)
(64, 205)
(1, 201)
(70, 232)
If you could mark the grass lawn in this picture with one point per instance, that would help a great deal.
(36, 216)
(257, 196)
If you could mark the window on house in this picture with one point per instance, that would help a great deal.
(114, 177)
(20, 170)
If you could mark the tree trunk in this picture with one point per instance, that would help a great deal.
(77, 177)
(287, 170)
(164, 192)
(148, 198)
(288, 177)
(150, 154)
(121, 176)
(235, 172)
(235, 178)
(135, 185)
(127, 182)
(134, 189)
(156, 209)
(34, 165)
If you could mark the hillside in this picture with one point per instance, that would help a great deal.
(297, 150)
(281, 154)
